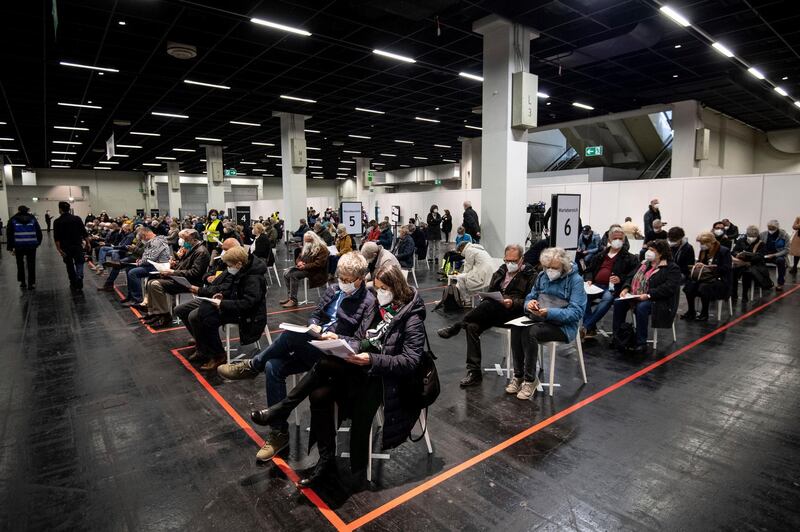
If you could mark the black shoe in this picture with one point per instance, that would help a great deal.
(105, 288)
(689, 316)
(472, 379)
(702, 316)
(324, 473)
(638, 350)
(449, 332)
(32, 286)
(23, 286)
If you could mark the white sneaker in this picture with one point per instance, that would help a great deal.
(527, 390)
(514, 386)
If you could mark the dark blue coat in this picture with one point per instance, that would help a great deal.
(385, 239)
(405, 251)
(353, 316)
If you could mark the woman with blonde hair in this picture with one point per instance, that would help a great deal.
(709, 278)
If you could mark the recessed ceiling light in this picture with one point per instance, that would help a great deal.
(209, 139)
(312, 159)
(721, 48)
(470, 76)
(259, 169)
(247, 162)
(755, 72)
(442, 146)
(674, 75)
(403, 141)
(2, 123)
(780, 91)
(313, 148)
(63, 152)
(341, 173)
(121, 22)
(274, 156)
(143, 134)
(422, 119)
(184, 149)
(346, 161)
(388, 155)
(295, 98)
(107, 162)
(262, 144)
(72, 128)
(342, 178)
(79, 105)
(6, 138)
(394, 56)
(473, 127)
(151, 164)
(166, 158)
(131, 146)
(78, 65)
(239, 123)
(678, 46)
(319, 177)
(363, 110)
(168, 115)
(421, 158)
(548, 103)
(203, 84)
(583, 106)
(674, 15)
(60, 160)
(784, 78)
(51, 166)
(68, 142)
(101, 168)
(311, 131)
(542, 95)
(378, 164)
(312, 166)
(121, 155)
(344, 168)
(275, 25)
(9, 149)
(359, 137)
(449, 160)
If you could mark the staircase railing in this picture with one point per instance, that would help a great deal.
(663, 158)
(561, 160)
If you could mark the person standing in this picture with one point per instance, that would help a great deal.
(471, 224)
(447, 225)
(70, 236)
(211, 231)
(48, 219)
(23, 236)
(794, 246)
(434, 233)
(653, 213)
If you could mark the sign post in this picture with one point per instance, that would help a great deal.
(350, 212)
(565, 213)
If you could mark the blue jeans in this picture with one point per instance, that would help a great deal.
(135, 278)
(288, 355)
(104, 251)
(604, 302)
(641, 311)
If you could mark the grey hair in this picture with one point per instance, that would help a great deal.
(316, 242)
(520, 250)
(468, 203)
(752, 230)
(404, 229)
(189, 234)
(657, 220)
(352, 264)
(615, 229)
(370, 250)
(559, 254)
(341, 229)
(775, 223)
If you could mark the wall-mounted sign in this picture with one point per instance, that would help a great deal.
(594, 151)
(230, 172)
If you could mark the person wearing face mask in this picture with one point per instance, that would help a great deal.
(730, 229)
(235, 296)
(748, 264)
(710, 277)
(513, 281)
(377, 259)
(311, 264)
(389, 348)
(718, 229)
(556, 303)
(657, 283)
(776, 248)
(447, 225)
(434, 234)
(653, 213)
(344, 310)
(682, 251)
(157, 250)
(191, 267)
(626, 245)
(588, 244)
(657, 232)
(610, 270)
(211, 230)
(261, 246)
(404, 247)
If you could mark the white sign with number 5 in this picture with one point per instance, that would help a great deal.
(351, 217)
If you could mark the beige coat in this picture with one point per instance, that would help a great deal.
(794, 245)
(478, 269)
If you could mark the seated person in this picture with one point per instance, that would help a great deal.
(658, 232)
(262, 246)
(311, 264)
(776, 248)
(238, 295)
(719, 233)
(747, 258)
(385, 239)
(513, 280)
(388, 356)
(682, 251)
(106, 245)
(377, 259)
(157, 250)
(404, 249)
(632, 231)
(191, 266)
(710, 277)
(610, 270)
(452, 261)
(323, 232)
(304, 228)
(420, 237)
(588, 244)
(124, 245)
(346, 309)
(344, 242)
(373, 231)
(559, 282)
(534, 252)
(657, 282)
(730, 229)
(477, 271)
(605, 237)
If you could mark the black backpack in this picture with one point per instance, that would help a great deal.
(426, 385)
(451, 299)
(625, 336)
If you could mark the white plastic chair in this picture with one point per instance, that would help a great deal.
(414, 273)
(305, 293)
(508, 371)
(655, 336)
(553, 347)
(270, 270)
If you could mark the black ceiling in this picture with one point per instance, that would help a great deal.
(631, 61)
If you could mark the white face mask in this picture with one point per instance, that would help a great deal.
(772, 231)
(512, 266)
(703, 247)
(657, 206)
(674, 243)
(347, 288)
(384, 296)
(616, 244)
(232, 270)
(553, 273)
(718, 232)
(727, 227)
(751, 239)
(181, 242)
(649, 256)
(222, 253)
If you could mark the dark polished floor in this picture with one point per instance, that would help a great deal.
(104, 429)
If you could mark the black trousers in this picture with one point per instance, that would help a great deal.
(203, 320)
(487, 314)
(358, 396)
(26, 255)
(73, 260)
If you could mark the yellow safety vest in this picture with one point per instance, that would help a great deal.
(212, 234)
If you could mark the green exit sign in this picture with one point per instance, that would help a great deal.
(593, 151)
(370, 176)
(230, 172)
(437, 181)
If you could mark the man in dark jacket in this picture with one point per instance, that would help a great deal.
(404, 248)
(747, 259)
(608, 270)
(511, 283)
(188, 270)
(70, 236)
(345, 310)
(420, 240)
(23, 236)
(653, 213)
(386, 238)
(682, 252)
(471, 225)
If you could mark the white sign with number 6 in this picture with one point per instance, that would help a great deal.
(565, 215)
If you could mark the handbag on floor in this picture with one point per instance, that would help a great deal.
(451, 299)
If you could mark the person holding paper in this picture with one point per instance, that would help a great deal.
(377, 258)
(609, 269)
(556, 303)
(311, 264)
(235, 296)
(346, 309)
(657, 284)
(710, 277)
(513, 280)
(156, 249)
(189, 268)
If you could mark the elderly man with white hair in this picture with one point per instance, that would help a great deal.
(776, 247)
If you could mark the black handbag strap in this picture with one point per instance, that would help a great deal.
(428, 344)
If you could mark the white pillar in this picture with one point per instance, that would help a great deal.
(149, 194)
(5, 180)
(215, 172)
(294, 177)
(504, 151)
(260, 189)
(362, 186)
(174, 188)
(687, 118)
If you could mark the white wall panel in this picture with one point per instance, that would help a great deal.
(781, 200)
(701, 201)
(634, 197)
(603, 202)
(741, 195)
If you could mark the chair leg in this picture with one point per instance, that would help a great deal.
(296, 413)
(552, 366)
(414, 275)
(509, 371)
(277, 277)
(730, 307)
(228, 342)
(719, 310)
(369, 457)
(580, 357)
(655, 339)
(674, 336)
